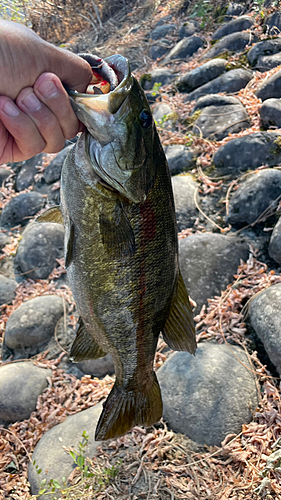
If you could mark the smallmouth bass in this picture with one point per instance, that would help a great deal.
(121, 246)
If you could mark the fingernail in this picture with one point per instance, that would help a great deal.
(31, 102)
(10, 109)
(48, 89)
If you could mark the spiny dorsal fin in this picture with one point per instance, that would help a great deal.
(53, 214)
(84, 346)
(179, 331)
(70, 243)
(116, 232)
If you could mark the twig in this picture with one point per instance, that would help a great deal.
(222, 230)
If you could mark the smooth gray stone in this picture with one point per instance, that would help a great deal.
(20, 209)
(236, 25)
(255, 150)
(40, 247)
(263, 48)
(201, 75)
(274, 248)
(254, 196)
(184, 48)
(219, 119)
(270, 88)
(270, 113)
(236, 42)
(209, 395)
(184, 189)
(264, 318)
(180, 158)
(162, 31)
(215, 100)
(97, 367)
(208, 262)
(161, 113)
(159, 49)
(27, 172)
(158, 75)
(20, 385)
(5, 172)
(233, 9)
(186, 30)
(52, 458)
(53, 170)
(229, 82)
(33, 323)
(4, 240)
(7, 289)
(265, 63)
(164, 20)
(272, 24)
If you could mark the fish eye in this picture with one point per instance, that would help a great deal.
(145, 118)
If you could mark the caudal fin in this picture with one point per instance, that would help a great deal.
(125, 408)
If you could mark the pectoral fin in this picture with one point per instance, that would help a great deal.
(69, 246)
(117, 233)
(179, 332)
(84, 346)
(53, 214)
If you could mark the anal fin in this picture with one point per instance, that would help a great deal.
(125, 408)
(179, 331)
(69, 246)
(53, 214)
(84, 346)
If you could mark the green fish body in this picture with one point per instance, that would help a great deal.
(122, 250)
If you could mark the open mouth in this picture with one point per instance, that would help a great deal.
(104, 79)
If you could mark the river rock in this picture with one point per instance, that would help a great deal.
(272, 24)
(255, 150)
(5, 172)
(236, 42)
(264, 317)
(20, 209)
(270, 88)
(4, 240)
(270, 113)
(233, 9)
(28, 171)
(254, 196)
(180, 158)
(53, 171)
(40, 246)
(209, 395)
(208, 262)
(158, 50)
(162, 31)
(32, 324)
(158, 75)
(7, 289)
(263, 48)
(184, 190)
(97, 367)
(20, 385)
(185, 48)
(50, 454)
(201, 75)
(274, 248)
(186, 30)
(229, 82)
(162, 114)
(266, 63)
(240, 24)
(220, 116)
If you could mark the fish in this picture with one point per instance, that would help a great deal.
(121, 247)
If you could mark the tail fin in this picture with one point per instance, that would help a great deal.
(125, 408)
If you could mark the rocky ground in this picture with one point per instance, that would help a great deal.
(213, 82)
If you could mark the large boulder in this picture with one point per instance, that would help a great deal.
(20, 209)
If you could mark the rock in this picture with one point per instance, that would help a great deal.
(234, 26)
(233, 9)
(252, 198)
(159, 49)
(209, 395)
(208, 262)
(229, 82)
(263, 48)
(180, 158)
(203, 74)
(5, 172)
(220, 116)
(7, 289)
(27, 172)
(40, 246)
(4, 240)
(20, 385)
(20, 209)
(186, 30)
(162, 114)
(185, 48)
(50, 454)
(236, 42)
(270, 113)
(97, 367)
(53, 170)
(274, 248)
(32, 324)
(162, 30)
(255, 150)
(264, 318)
(272, 24)
(265, 63)
(184, 190)
(158, 75)
(164, 20)
(270, 88)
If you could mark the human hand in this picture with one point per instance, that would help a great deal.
(35, 111)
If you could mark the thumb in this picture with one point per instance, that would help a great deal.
(71, 69)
